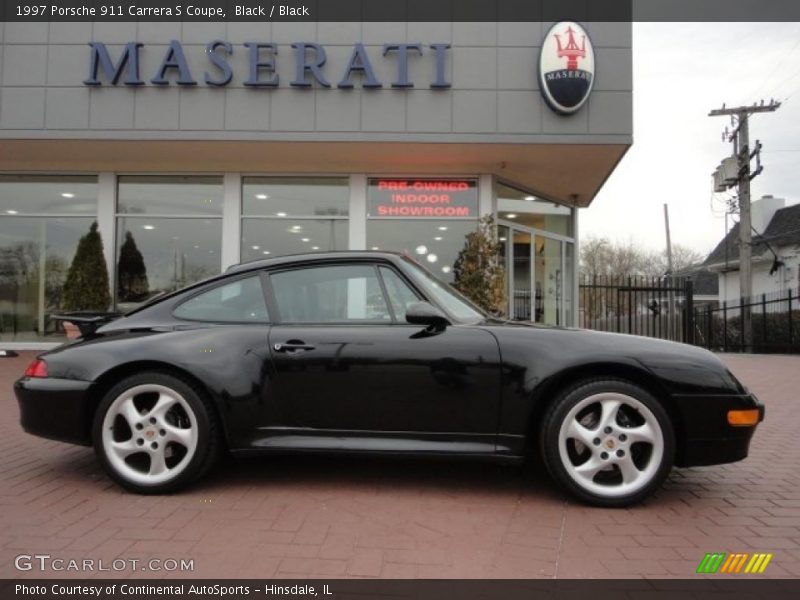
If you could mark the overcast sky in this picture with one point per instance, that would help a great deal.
(680, 72)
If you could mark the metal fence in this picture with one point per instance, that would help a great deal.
(660, 307)
(664, 307)
(775, 324)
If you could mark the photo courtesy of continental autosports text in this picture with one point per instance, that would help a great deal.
(372, 298)
(216, 590)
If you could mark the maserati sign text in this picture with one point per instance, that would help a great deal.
(107, 67)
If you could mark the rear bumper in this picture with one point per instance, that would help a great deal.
(708, 438)
(57, 409)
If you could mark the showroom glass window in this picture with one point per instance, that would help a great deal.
(290, 215)
(169, 234)
(41, 221)
(427, 219)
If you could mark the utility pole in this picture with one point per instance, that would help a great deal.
(669, 241)
(670, 274)
(740, 137)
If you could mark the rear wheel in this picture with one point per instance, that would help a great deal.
(607, 441)
(154, 433)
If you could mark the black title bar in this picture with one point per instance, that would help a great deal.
(400, 10)
(744, 587)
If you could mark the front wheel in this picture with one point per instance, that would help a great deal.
(607, 441)
(154, 433)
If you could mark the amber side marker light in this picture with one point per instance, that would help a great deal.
(38, 368)
(743, 418)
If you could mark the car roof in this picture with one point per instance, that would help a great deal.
(310, 257)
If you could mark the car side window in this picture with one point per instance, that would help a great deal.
(240, 301)
(330, 294)
(400, 293)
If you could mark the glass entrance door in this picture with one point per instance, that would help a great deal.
(548, 279)
(539, 271)
(521, 276)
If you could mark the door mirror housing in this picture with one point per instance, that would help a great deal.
(424, 313)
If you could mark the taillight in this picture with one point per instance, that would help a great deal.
(38, 368)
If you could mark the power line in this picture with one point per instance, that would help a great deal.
(775, 68)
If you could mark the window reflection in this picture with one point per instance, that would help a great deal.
(434, 243)
(292, 215)
(177, 243)
(295, 196)
(35, 255)
(39, 234)
(263, 238)
(170, 195)
(163, 255)
(48, 195)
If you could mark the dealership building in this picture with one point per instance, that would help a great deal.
(195, 146)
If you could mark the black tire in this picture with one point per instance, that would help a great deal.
(554, 456)
(206, 447)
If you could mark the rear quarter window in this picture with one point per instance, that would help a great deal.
(240, 301)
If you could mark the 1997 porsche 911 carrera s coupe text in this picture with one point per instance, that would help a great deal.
(368, 352)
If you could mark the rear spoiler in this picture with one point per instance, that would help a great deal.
(87, 322)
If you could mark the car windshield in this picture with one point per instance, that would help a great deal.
(451, 300)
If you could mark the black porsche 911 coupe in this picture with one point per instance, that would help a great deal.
(368, 352)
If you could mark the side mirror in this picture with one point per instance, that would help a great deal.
(424, 313)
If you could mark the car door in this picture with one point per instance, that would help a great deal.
(345, 360)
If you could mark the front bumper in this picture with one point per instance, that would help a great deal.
(707, 437)
(58, 409)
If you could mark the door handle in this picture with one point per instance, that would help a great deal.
(292, 347)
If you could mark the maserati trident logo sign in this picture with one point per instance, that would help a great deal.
(566, 67)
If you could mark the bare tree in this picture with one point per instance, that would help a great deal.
(605, 265)
(601, 257)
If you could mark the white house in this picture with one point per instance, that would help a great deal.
(776, 251)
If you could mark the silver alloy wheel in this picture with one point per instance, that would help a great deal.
(611, 444)
(165, 432)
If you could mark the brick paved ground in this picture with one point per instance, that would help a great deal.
(360, 517)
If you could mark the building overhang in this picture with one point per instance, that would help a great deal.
(571, 173)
